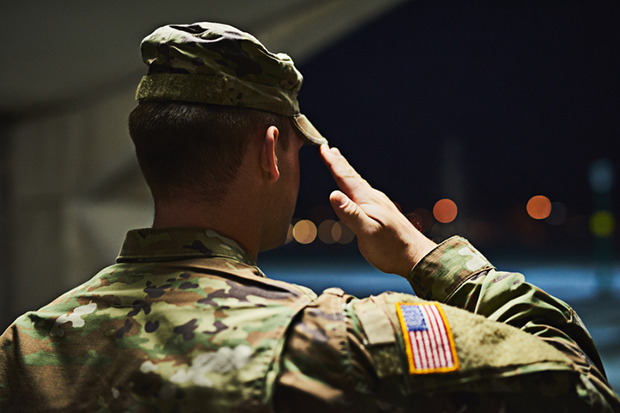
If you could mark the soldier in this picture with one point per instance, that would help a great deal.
(185, 321)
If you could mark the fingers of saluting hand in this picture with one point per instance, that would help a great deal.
(354, 189)
(347, 178)
(348, 211)
(385, 237)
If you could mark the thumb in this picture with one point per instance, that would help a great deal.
(348, 211)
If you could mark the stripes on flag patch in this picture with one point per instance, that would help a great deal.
(428, 339)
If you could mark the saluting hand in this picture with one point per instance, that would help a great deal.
(386, 238)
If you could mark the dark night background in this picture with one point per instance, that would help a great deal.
(527, 92)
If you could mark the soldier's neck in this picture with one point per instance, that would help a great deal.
(233, 218)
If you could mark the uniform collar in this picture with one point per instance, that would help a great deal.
(163, 244)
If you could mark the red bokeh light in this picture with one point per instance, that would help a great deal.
(445, 210)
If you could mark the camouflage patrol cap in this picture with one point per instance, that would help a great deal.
(219, 64)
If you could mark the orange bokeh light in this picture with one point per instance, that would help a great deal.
(539, 207)
(304, 231)
(445, 210)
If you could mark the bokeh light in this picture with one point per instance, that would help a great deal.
(558, 214)
(328, 232)
(346, 235)
(602, 224)
(445, 210)
(601, 175)
(304, 231)
(336, 231)
(539, 207)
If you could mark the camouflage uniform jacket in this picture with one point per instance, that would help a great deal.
(186, 321)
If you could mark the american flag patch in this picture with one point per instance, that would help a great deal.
(428, 339)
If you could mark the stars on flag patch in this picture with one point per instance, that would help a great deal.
(428, 338)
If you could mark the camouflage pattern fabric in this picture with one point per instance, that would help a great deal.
(222, 65)
(186, 321)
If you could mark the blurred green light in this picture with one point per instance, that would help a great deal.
(602, 224)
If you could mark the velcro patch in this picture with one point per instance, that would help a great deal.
(428, 338)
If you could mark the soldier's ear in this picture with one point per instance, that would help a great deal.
(269, 160)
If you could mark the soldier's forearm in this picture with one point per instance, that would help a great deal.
(457, 274)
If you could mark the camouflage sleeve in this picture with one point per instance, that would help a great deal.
(349, 354)
(457, 274)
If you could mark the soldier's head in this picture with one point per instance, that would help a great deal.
(209, 89)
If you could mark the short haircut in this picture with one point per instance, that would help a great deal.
(192, 151)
